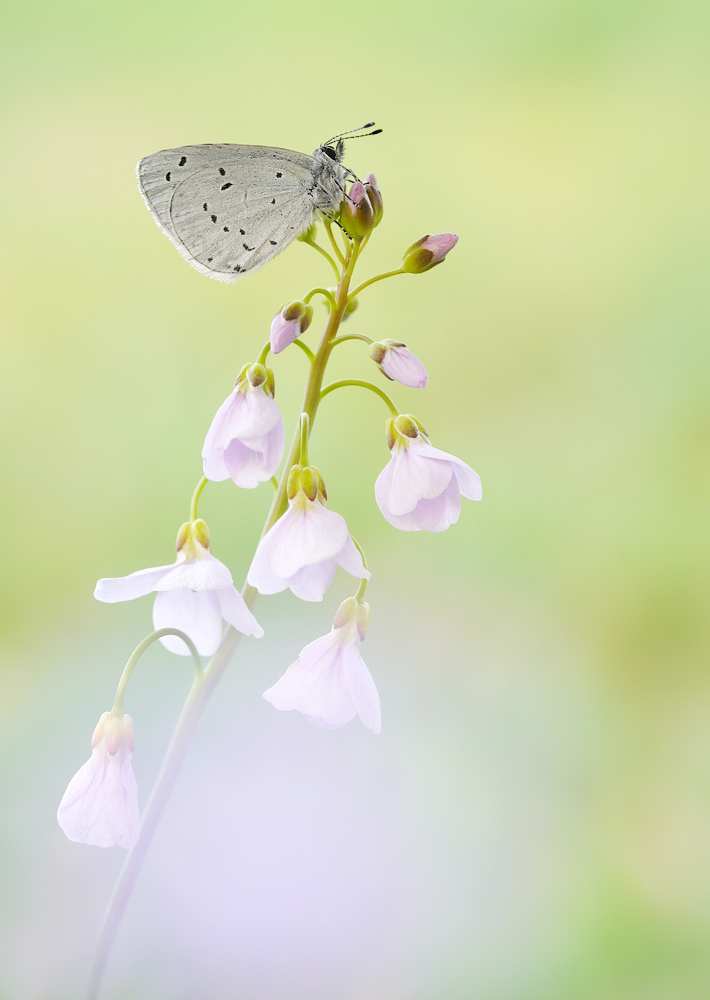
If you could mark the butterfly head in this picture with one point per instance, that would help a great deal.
(334, 152)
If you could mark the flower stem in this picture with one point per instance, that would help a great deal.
(324, 253)
(351, 336)
(363, 385)
(303, 453)
(138, 652)
(324, 292)
(205, 682)
(261, 360)
(371, 281)
(196, 497)
(329, 230)
(305, 348)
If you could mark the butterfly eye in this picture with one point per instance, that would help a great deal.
(329, 151)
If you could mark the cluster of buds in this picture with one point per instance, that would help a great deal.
(419, 489)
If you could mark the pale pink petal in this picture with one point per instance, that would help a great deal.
(251, 461)
(254, 413)
(468, 480)
(315, 685)
(307, 533)
(260, 573)
(100, 805)
(212, 462)
(440, 244)
(407, 478)
(198, 614)
(451, 498)
(204, 573)
(125, 588)
(362, 687)
(235, 611)
(283, 332)
(311, 582)
(401, 365)
(351, 560)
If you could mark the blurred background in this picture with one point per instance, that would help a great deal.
(533, 823)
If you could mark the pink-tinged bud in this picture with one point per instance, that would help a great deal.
(357, 216)
(293, 320)
(375, 196)
(398, 364)
(428, 252)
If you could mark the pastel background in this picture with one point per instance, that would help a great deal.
(533, 822)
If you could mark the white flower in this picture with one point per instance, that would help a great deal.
(329, 681)
(307, 543)
(420, 488)
(246, 438)
(399, 364)
(193, 595)
(100, 805)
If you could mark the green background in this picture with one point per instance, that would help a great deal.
(534, 821)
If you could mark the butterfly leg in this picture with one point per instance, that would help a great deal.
(330, 217)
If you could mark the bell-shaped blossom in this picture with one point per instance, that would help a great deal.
(420, 488)
(329, 681)
(304, 547)
(194, 594)
(399, 364)
(245, 441)
(357, 216)
(293, 320)
(428, 252)
(100, 805)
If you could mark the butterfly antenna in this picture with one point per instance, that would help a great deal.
(350, 132)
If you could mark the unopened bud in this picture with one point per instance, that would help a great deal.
(256, 374)
(309, 482)
(428, 252)
(406, 425)
(399, 364)
(357, 217)
(293, 320)
(293, 483)
(375, 196)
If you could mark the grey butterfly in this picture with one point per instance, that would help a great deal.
(230, 209)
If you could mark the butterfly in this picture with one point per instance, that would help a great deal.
(229, 209)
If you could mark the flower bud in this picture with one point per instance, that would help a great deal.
(293, 320)
(193, 539)
(375, 196)
(398, 363)
(357, 216)
(256, 374)
(428, 252)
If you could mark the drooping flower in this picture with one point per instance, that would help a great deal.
(293, 320)
(420, 488)
(399, 364)
(194, 594)
(100, 805)
(307, 543)
(428, 252)
(329, 681)
(246, 438)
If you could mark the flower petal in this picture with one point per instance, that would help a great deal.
(205, 573)
(362, 688)
(125, 588)
(307, 533)
(235, 611)
(100, 805)
(315, 685)
(410, 477)
(197, 613)
(351, 560)
(468, 480)
(260, 573)
(311, 582)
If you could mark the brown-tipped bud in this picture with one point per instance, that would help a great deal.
(183, 534)
(362, 619)
(389, 432)
(375, 196)
(309, 482)
(321, 485)
(294, 481)
(293, 320)
(270, 384)
(406, 425)
(242, 374)
(256, 374)
(428, 252)
(201, 533)
(357, 217)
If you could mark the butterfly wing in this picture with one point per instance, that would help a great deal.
(227, 208)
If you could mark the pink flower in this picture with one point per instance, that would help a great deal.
(428, 252)
(193, 595)
(293, 320)
(246, 438)
(398, 364)
(329, 681)
(307, 543)
(100, 805)
(420, 488)
(357, 216)
(375, 196)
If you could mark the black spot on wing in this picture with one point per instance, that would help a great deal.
(222, 171)
(183, 161)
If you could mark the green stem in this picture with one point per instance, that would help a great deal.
(261, 360)
(196, 497)
(324, 253)
(336, 249)
(351, 336)
(324, 292)
(138, 652)
(363, 583)
(274, 482)
(371, 281)
(305, 348)
(363, 385)
(203, 685)
(305, 429)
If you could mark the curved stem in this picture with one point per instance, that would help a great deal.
(371, 281)
(324, 253)
(351, 336)
(324, 292)
(203, 685)
(363, 385)
(338, 252)
(261, 360)
(138, 652)
(305, 348)
(363, 583)
(196, 497)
